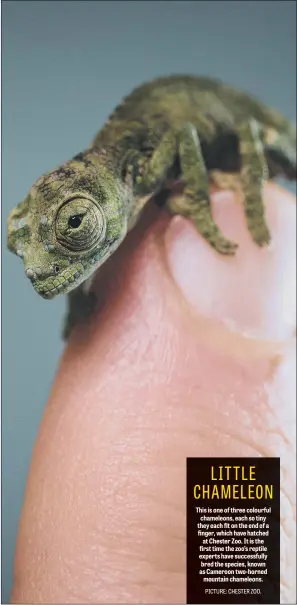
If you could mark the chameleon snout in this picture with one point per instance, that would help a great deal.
(54, 279)
(46, 282)
(34, 273)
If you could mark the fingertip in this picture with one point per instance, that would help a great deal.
(253, 291)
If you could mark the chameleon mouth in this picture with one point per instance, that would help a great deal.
(52, 287)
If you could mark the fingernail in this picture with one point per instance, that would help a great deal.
(253, 292)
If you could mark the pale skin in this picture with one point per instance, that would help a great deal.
(191, 354)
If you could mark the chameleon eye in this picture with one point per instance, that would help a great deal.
(75, 221)
(80, 223)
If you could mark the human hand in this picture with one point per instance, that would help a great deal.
(191, 354)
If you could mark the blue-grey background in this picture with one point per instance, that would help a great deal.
(65, 66)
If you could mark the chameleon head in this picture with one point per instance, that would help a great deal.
(65, 228)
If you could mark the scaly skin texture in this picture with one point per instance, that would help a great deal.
(185, 127)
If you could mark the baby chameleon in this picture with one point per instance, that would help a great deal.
(179, 127)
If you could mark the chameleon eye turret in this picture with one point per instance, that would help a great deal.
(80, 223)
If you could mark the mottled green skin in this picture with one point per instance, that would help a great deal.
(175, 127)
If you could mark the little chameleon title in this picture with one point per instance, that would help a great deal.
(246, 489)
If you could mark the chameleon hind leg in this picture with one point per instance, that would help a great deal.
(195, 202)
(254, 172)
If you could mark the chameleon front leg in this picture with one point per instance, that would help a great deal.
(80, 306)
(254, 172)
(195, 202)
